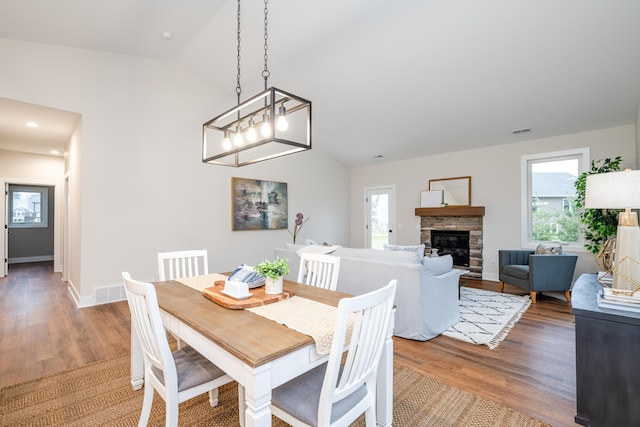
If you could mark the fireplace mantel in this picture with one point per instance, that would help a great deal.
(451, 211)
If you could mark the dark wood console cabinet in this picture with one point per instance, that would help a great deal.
(607, 360)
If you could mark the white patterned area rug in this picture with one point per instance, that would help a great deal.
(486, 317)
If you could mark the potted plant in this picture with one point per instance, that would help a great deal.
(601, 225)
(273, 272)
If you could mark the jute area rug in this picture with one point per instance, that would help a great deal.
(100, 395)
(486, 317)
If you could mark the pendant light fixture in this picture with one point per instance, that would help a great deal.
(271, 124)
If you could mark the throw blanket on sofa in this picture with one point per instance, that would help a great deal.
(317, 249)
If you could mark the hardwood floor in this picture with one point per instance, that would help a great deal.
(43, 332)
(533, 370)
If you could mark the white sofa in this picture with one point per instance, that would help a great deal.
(427, 291)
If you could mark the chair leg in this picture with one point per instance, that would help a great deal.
(533, 294)
(213, 397)
(171, 411)
(370, 416)
(567, 295)
(501, 286)
(146, 405)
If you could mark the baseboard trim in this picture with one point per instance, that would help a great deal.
(22, 260)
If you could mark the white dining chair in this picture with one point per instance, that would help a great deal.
(176, 376)
(319, 270)
(336, 393)
(179, 264)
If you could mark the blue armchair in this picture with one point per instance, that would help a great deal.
(536, 273)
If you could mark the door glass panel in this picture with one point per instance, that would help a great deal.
(379, 220)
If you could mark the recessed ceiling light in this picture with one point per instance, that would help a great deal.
(167, 35)
(32, 124)
(54, 152)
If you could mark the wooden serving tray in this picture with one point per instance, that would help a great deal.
(258, 297)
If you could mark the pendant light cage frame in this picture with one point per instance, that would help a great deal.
(262, 110)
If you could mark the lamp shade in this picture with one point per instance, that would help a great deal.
(613, 190)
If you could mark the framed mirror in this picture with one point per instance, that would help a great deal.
(455, 191)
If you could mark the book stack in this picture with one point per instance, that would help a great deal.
(605, 278)
(617, 300)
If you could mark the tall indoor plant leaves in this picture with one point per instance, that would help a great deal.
(600, 224)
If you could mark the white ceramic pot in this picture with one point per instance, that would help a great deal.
(273, 286)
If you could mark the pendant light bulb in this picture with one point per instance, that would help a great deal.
(238, 140)
(265, 130)
(282, 119)
(226, 142)
(251, 133)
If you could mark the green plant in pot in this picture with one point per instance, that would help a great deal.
(601, 225)
(273, 272)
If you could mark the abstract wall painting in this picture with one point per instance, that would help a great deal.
(258, 204)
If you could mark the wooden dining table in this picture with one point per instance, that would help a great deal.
(258, 353)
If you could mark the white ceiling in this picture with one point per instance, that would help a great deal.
(398, 78)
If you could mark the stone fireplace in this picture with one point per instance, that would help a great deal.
(455, 219)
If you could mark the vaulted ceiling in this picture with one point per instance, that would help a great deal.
(399, 79)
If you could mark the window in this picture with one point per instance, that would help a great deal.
(549, 214)
(27, 207)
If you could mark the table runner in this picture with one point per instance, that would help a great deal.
(305, 316)
(200, 282)
(300, 314)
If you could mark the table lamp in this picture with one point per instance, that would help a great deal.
(620, 190)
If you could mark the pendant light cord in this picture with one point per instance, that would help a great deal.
(238, 87)
(265, 71)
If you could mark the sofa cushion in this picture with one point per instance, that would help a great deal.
(317, 249)
(417, 249)
(438, 265)
(516, 270)
(376, 255)
(293, 246)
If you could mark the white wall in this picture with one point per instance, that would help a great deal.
(638, 138)
(73, 211)
(141, 183)
(495, 184)
(30, 166)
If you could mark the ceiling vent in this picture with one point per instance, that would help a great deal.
(523, 130)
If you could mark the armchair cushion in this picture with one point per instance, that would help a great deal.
(519, 271)
(543, 249)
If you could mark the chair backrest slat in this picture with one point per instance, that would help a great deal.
(179, 264)
(319, 270)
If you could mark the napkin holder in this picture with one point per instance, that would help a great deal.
(245, 273)
(236, 289)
